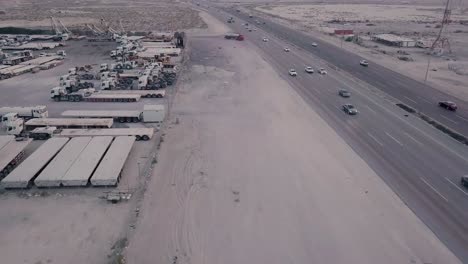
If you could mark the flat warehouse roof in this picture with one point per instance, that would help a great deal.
(4, 140)
(108, 172)
(53, 173)
(100, 113)
(80, 172)
(24, 173)
(393, 38)
(67, 122)
(11, 150)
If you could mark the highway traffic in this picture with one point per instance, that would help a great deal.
(421, 164)
(409, 91)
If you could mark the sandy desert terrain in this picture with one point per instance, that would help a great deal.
(135, 15)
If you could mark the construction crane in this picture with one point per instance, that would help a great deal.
(65, 29)
(59, 34)
(122, 30)
(55, 28)
(441, 42)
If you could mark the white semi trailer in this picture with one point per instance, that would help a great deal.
(138, 133)
(90, 95)
(150, 114)
(142, 93)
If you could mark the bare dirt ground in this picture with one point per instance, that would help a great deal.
(448, 72)
(135, 15)
(251, 174)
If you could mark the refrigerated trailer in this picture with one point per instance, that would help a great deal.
(138, 133)
(11, 155)
(21, 176)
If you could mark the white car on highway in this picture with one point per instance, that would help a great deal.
(314, 44)
(265, 40)
(287, 49)
(309, 69)
(322, 71)
(292, 72)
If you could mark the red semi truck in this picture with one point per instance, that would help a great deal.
(239, 37)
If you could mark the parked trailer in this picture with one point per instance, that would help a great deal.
(39, 111)
(84, 166)
(109, 171)
(52, 175)
(150, 114)
(70, 123)
(138, 133)
(121, 116)
(11, 154)
(21, 177)
(90, 95)
(142, 93)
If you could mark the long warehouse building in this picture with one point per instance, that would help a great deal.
(25, 172)
(110, 168)
(84, 166)
(52, 175)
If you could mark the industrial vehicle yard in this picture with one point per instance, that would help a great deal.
(223, 133)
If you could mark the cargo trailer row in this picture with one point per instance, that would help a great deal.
(73, 162)
(90, 95)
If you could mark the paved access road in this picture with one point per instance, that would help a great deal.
(422, 165)
(409, 91)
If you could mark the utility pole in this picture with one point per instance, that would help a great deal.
(440, 40)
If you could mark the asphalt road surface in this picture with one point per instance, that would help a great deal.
(409, 91)
(422, 165)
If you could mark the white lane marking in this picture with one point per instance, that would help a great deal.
(372, 110)
(409, 99)
(458, 187)
(375, 139)
(461, 117)
(396, 140)
(434, 189)
(415, 140)
(449, 119)
(427, 101)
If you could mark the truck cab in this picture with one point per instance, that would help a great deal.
(61, 53)
(72, 71)
(103, 67)
(13, 124)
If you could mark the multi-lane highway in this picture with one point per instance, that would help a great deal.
(409, 91)
(422, 165)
